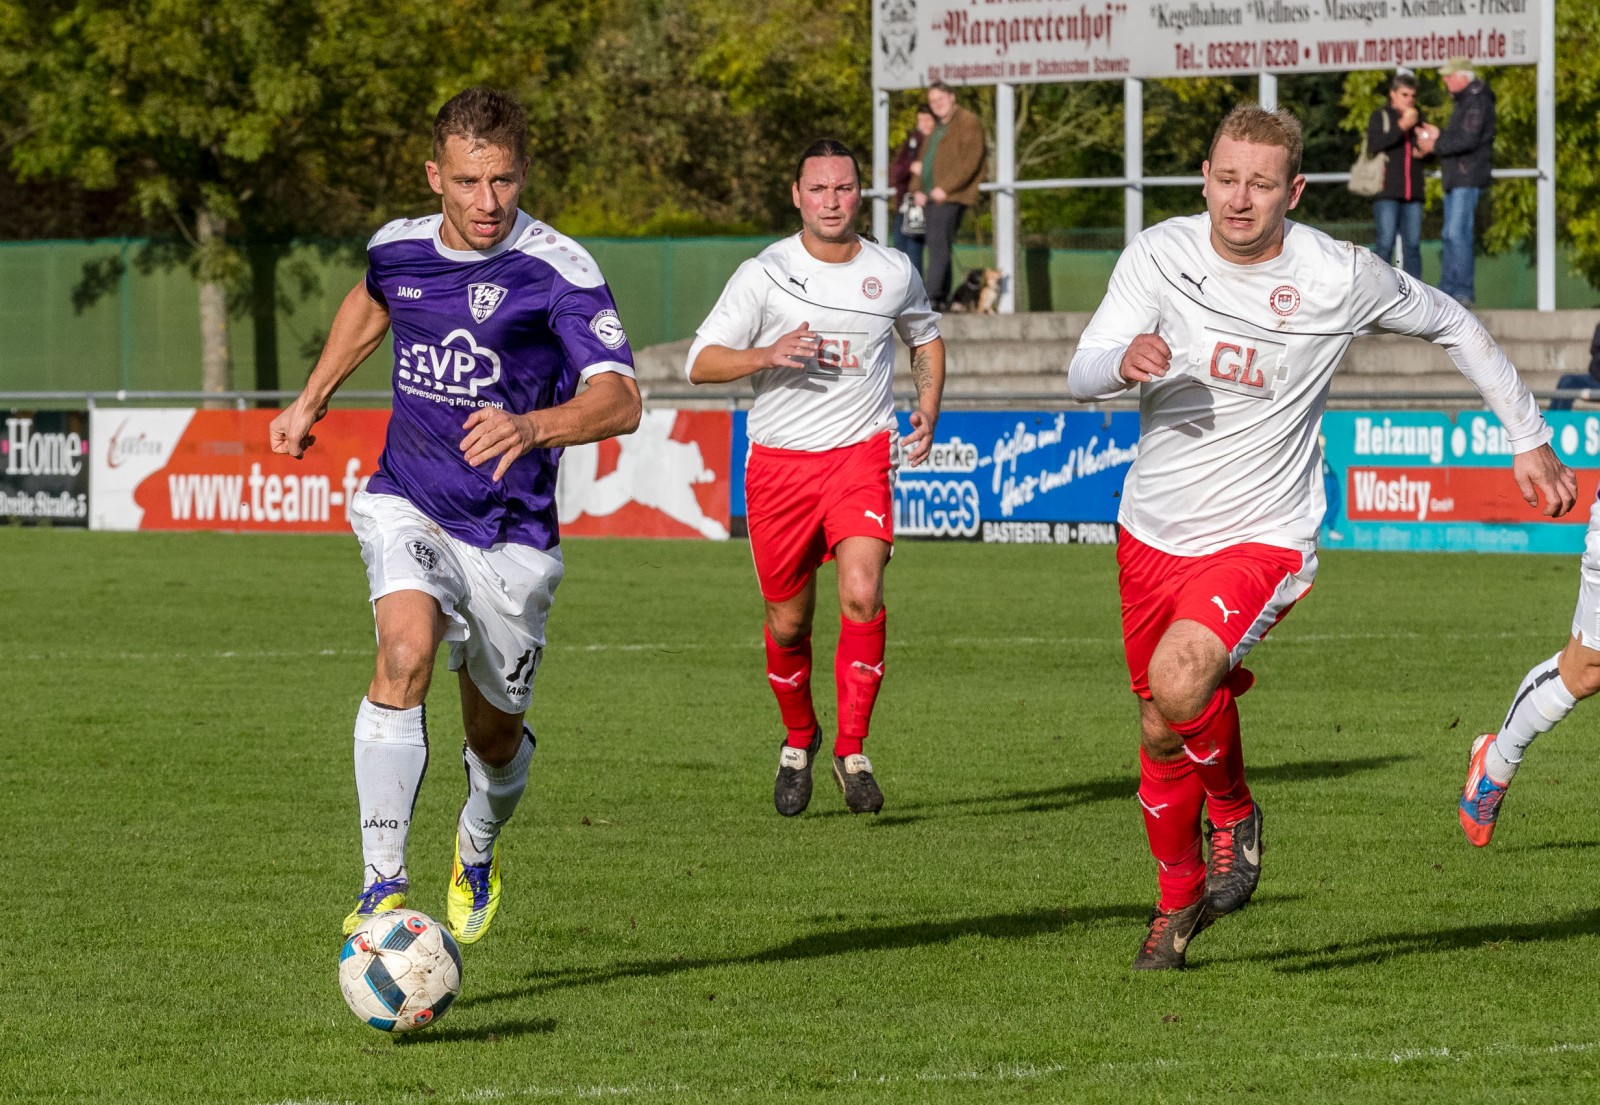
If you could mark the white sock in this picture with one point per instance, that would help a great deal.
(1541, 702)
(391, 758)
(492, 797)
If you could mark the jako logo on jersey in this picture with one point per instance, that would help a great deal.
(872, 287)
(1285, 300)
(608, 328)
(482, 299)
(457, 366)
(518, 678)
(408, 293)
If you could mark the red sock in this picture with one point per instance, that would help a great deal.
(1211, 742)
(789, 674)
(857, 675)
(1171, 794)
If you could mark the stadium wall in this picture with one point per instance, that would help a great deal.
(143, 333)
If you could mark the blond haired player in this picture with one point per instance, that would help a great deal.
(1230, 324)
(811, 322)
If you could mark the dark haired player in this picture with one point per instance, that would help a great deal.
(497, 320)
(811, 323)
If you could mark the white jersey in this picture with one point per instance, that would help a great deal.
(1228, 449)
(846, 394)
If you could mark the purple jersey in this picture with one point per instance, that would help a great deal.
(516, 327)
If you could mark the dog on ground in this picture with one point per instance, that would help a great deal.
(979, 293)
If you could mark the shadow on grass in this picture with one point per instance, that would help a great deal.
(1118, 788)
(1377, 949)
(818, 945)
(488, 1033)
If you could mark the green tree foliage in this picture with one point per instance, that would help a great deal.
(239, 127)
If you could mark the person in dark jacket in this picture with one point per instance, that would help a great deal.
(1579, 380)
(1397, 129)
(1465, 149)
(910, 229)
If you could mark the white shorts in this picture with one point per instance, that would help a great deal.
(495, 600)
(1586, 618)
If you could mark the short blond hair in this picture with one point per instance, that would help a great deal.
(1253, 123)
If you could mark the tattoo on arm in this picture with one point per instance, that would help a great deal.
(921, 370)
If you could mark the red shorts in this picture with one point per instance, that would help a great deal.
(800, 505)
(1238, 593)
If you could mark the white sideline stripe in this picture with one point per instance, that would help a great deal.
(752, 644)
(999, 1073)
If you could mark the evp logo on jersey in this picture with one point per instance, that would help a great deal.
(839, 353)
(1244, 366)
(457, 366)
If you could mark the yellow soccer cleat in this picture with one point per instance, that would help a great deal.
(474, 897)
(380, 897)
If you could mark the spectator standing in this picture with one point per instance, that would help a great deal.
(952, 165)
(905, 171)
(1465, 150)
(1397, 130)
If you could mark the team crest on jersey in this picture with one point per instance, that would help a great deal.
(1285, 300)
(608, 328)
(872, 287)
(482, 299)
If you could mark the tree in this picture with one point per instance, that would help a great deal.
(244, 126)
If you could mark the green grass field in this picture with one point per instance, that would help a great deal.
(179, 828)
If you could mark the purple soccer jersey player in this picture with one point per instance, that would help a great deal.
(507, 349)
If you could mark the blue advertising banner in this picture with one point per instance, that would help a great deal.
(1424, 480)
(1041, 477)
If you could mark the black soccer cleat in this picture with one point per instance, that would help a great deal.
(791, 792)
(1167, 942)
(1233, 863)
(854, 776)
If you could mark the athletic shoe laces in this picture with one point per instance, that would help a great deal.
(476, 876)
(378, 891)
(1222, 853)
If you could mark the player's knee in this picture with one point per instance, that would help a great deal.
(1587, 680)
(404, 670)
(1178, 690)
(786, 628)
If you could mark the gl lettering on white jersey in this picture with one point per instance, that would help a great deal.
(1244, 366)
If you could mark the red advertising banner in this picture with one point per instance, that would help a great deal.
(1486, 495)
(669, 478)
(213, 470)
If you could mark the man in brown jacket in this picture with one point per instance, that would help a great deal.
(952, 165)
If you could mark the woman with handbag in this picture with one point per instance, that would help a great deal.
(910, 231)
(1396, 131)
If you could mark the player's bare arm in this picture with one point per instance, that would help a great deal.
(717, 364)
(927, 373)
(607, 407)
(358, 327)
(1541, 475)
(1147, 358)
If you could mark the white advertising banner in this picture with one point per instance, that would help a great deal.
(916, 42)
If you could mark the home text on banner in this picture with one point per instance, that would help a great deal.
(44, 469)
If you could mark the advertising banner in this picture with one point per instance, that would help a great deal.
(1422, 480)
(44, 468)
(669, 478)
(1040, 477)
(213, 470)
(916, 42)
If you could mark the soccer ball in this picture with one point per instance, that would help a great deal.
(400, 970)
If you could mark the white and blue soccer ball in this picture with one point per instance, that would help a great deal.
(400, 970)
